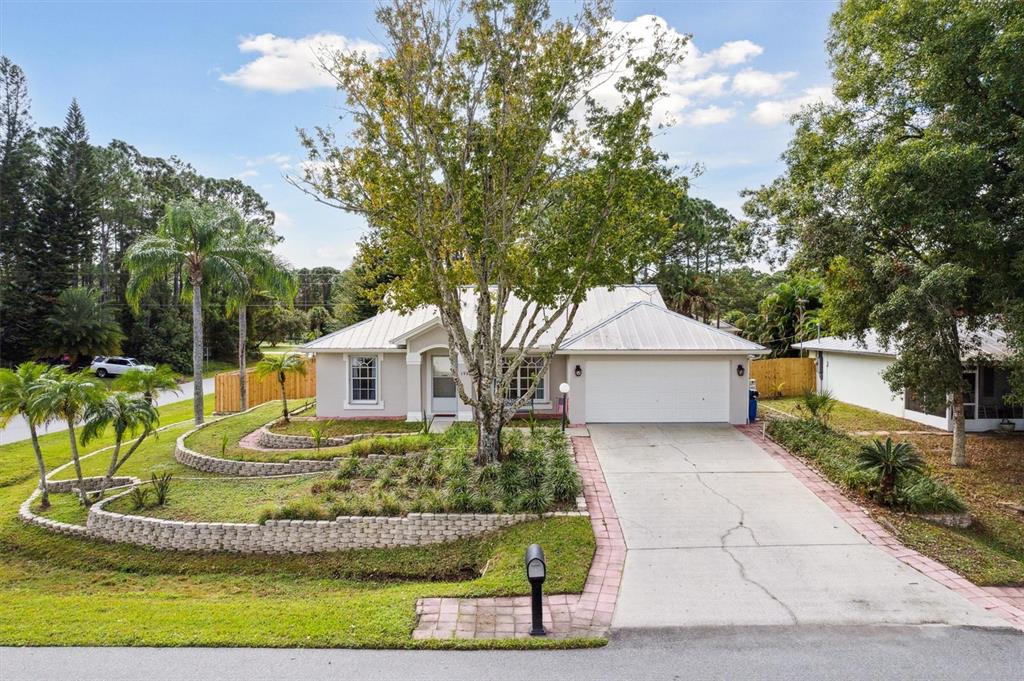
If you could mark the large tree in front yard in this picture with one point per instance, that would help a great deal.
(907, 191)
(486, 164)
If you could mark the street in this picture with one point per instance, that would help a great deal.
(795, 653)
(17, 429)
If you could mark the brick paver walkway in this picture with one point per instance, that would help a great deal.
(1006, 602)
(588, 614)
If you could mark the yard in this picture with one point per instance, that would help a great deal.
(991, 551)
(60, 590)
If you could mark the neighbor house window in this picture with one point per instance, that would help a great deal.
(364, 379)
(523, 379)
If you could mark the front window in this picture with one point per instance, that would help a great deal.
(364, 379)
(523, 379)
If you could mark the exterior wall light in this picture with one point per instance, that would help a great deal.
(579, 370)
(564, 389)
(740, 370)
(536, 571)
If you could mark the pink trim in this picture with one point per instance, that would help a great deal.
(1005, 602)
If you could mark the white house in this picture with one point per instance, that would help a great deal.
(627, 358)
(852, 372)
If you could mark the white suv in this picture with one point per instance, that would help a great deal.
(113, 366)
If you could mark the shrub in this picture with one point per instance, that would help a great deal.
(161, 487)
(139, 497)
(389, 446)
(818, 405)
(317, 433)
(304, 508)
(887, 462)
(562, 477)
(924, 494)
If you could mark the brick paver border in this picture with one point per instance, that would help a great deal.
(586, 615)
(1005, 602)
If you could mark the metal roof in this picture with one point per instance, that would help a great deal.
(661, 329)
(646, 327)
(990, 344)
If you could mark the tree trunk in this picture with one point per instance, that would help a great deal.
(44, 493)
(243, 380)
(111, 469)
(197, 352)
(78, 464)
(284, 397)
(959, 456)
(488, 447)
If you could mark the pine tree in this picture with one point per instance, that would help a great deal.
(19, 153)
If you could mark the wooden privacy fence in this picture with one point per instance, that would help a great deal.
(786, 377)
(225, 386)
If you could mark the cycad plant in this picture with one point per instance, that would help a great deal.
(148, 383)
(68, 396)
(127, 416)
(818, 405)
(17, 387)
(889, 461)
(280, 366)
(198, 239)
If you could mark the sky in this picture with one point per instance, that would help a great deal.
(224, 85)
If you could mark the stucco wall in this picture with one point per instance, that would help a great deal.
(332, 387)
(857, 379)
(738, 395)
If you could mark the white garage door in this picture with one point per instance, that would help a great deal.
(657, 390)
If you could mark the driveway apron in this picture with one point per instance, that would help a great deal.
(718, 533)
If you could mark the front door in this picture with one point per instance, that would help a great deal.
(442, 386)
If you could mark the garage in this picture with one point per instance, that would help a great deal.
(657, 390)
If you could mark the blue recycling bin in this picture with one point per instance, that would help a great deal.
(752, 414)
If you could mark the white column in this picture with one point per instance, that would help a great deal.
(464, 412)
(414, 391)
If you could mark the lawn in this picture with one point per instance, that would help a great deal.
(848, 417)
(991, 551)
(61, 590)
(340, 427)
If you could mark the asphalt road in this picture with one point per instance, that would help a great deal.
(933, 653)
(17, 429)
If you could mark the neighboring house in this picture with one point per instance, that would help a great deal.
(627, 358)
(852, 372)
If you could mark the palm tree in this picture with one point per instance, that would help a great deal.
(67, 396)
(888, 461)
(126, 415)
(195, 238)
(282, 365)
(17, 388)
(81, 326)
(148, 383)
(263, 273)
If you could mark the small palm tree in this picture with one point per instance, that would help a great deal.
(67, 396)
(888, 461)
(263, 273)
(197, 239)
(282, 365)
(127, 415)
(148, 383)
(819, 404)
(81, 326)
(17, 387)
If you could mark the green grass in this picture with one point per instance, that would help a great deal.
(848, 417)
(60, 590)
(340, 427)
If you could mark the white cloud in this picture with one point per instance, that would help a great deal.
(774, 112)
(247, 174)
(693, 78)
(760, 83)
(710, 115)
(289, 64)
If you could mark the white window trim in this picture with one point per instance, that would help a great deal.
(546, 402)
(363, 404)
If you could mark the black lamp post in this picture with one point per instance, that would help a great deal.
(564, 389)
(536, 571)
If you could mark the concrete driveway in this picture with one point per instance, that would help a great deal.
(719, 533)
